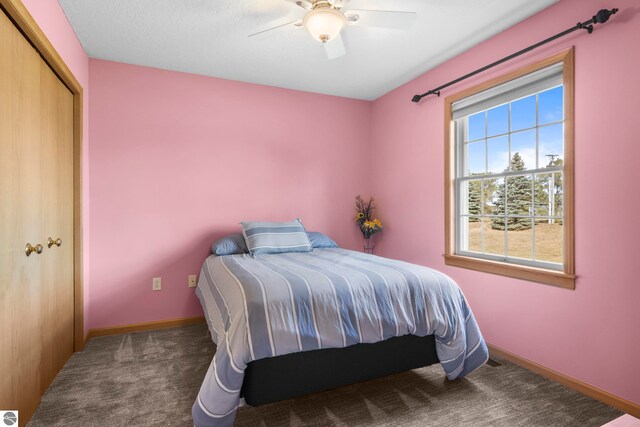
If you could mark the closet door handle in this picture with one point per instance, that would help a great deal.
(51, 242)
(31, 249)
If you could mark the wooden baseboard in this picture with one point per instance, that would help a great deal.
(584, 388)
(146, 326)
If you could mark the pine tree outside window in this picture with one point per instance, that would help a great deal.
(510, 174)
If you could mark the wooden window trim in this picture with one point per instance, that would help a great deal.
(565, 278)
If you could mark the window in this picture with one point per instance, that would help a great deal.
(509, 174)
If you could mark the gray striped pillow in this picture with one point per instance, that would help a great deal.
(275, 237)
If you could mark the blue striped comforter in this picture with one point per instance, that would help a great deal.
(283, 303)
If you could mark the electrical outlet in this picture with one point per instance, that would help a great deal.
(192, 280)
(157, 284)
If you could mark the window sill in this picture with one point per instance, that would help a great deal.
(533, 274)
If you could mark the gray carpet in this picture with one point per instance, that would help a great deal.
(152, 378)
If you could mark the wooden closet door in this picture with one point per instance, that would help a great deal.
(36, 202)
(20, 222)
(56, 120)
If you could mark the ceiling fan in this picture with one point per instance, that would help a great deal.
(325, 19)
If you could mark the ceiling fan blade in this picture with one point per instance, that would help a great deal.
(272, 30)
(334, 48)
(381, 18)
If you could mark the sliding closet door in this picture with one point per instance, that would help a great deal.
(36, 204)
(56, 122)
(20, 221)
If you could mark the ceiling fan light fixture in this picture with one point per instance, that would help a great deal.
(324, 24)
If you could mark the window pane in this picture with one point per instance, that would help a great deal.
(523, 150)
(548, 196)
(475, 157)
(498, 154)
(551, 143)
(548, 237)
(519, 200)
(488, 190)
(557, 194)
(495, 200)
(519, 238)
(476, 126)
(498, 120)
(494, 236)
(473, 240)
(550, 104)
(541, 194)
(523, 113)
(471, 197)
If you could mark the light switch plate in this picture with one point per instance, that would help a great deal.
(157, 284)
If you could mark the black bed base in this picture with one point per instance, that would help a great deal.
(292, 375)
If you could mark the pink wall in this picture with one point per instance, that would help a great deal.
(53, 22)
(592, 333)
(177, 160)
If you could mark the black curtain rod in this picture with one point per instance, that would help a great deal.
(601, 17)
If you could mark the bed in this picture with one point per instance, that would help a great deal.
(293, 323)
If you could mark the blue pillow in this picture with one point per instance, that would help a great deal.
(229, 245)
(319, 240)
(275, 237)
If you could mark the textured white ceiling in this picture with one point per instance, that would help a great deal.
(209, 37)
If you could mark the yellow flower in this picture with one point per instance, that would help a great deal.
(377, 222)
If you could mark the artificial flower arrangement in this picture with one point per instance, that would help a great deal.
(364, 213)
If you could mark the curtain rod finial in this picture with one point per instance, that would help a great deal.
(603, 15)
(416, 98)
